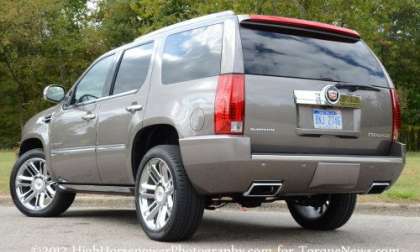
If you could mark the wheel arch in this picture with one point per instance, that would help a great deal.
(30, 144)
(149, 137)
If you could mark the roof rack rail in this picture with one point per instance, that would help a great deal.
(190, 21)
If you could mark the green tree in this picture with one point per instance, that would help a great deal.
(117, 21)
(53, 41)
(41, 42)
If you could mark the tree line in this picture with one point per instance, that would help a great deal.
(53, 41)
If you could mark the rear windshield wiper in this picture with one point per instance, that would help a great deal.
(354, 87)
(350, 86)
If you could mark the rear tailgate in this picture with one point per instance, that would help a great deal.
(287, 77)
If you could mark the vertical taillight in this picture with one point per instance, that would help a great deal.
(396, 114)
(229, 107)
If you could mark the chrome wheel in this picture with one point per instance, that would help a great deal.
(156, 194)
(34, 187)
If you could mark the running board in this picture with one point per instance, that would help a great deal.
(105, 189)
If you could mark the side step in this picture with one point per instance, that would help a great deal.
(101, 189)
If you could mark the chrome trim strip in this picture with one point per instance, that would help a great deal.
(105, 98)
(111, 147)
(211, 137)
(256, 184)
(73, 150)
(117, 95)
(344, 133)
(314, 158)
(309, 97)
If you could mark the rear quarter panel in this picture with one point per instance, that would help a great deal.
(189, 105)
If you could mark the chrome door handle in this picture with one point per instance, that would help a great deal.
(89, 117)
(134, 108)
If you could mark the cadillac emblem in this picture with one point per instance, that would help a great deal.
(331, 94)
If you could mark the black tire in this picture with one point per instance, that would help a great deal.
(337, 213)
(61, 201)
(188, 205)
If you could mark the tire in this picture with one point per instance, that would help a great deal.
(337, 210)
(55, 204)
(180, 209)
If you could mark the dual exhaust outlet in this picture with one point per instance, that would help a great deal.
(272, 189)
(263, 189)
(378, 187)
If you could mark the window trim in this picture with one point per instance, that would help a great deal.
(69, 104)
(117, 69)
(164, 41)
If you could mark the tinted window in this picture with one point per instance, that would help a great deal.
(133, 68)
(92, 86)
(313, 57)
(192, 54)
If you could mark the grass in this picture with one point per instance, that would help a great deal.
(406, 190)
(7, 158)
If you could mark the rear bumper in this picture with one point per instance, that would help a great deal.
(225, 164)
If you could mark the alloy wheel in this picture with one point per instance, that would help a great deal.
(156, 194)
(35, 189)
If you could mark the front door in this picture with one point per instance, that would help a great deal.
(73, 139)
(120, 116)
(73, 127)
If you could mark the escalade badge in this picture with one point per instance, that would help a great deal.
(331, 94)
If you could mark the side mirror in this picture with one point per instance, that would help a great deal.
(54, 93)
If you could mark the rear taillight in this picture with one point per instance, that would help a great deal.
(229, 107)
(396, 114)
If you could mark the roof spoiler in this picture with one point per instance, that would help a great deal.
(294, 22)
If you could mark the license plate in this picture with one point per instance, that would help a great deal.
(327, 119)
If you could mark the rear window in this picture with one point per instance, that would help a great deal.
(133, 68)
(192, 54)
(297, 54)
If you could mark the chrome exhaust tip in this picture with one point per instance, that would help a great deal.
(263, 189)
(378, 187)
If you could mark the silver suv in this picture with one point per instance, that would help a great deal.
(218, 109)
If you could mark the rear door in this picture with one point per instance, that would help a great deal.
(121, 115)
(313, 93)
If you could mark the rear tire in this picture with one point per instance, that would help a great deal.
(168, 207)
(27, 193)
(332, 213)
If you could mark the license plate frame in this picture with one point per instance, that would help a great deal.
(327, 119)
